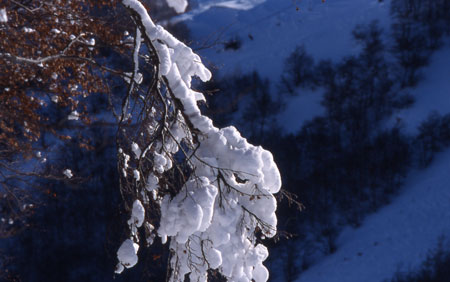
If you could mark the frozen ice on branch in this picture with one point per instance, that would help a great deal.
(214, 190)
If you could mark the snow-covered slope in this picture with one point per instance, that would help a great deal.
(197, 7)
(278, 26)
(270, 30)
(398, 236)
(432, 94)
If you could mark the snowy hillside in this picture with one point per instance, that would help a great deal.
(398, 236)
(432, 94)
(271, 30)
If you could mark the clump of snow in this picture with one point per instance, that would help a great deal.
(136, 175)
(137, 214)
(28, 30)
(73, 115)
(126, 159)
(136, 150)
(159, 162)
(138, 77)
(68, 173)
(3, 16)
(127, 255)
(152, 182)
(190, 211)
(178, 5)
(150, 237)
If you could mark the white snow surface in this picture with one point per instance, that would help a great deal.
(432, 94)
(278, 27)
(271, 30)
(397, 237)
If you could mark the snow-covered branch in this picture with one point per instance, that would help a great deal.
(223, 194)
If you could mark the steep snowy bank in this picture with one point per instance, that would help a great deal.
(432, 94)
(399, 235)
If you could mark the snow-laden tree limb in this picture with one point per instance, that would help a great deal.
(221, 193)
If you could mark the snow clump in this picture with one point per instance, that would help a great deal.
(178, 5)
(74, 116)
(127, 255)
(3, 16)
(68, 173)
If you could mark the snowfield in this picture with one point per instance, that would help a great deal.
(398, 237)
(271, 30)
(432, 94)
(277, 27)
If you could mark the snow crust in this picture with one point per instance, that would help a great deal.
(212, 221)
